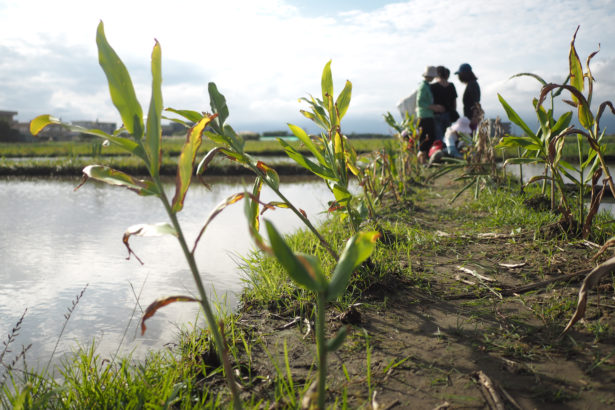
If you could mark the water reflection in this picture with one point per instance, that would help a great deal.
(532, 170)
(55, 240)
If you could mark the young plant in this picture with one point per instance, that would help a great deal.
(305, 270)
(145, 143)
(546, 145)
(332, 150)
(231, 146)
(407, 137)
(479, 162)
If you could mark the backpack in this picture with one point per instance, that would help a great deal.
(407, 105)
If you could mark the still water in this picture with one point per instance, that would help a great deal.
(532, 170)
(54, 241)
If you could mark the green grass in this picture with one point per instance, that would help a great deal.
(170, 146)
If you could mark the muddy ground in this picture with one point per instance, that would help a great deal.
(437, 336)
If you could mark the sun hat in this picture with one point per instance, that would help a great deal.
(462, 125)
(430, 71)
(464, 68)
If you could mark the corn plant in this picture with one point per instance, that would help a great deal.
(144, 141)
(479, 162)
(545, 146)
(231, 146)
(332, 150)
(305, 270)
(407, 133)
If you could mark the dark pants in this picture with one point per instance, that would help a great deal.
(442, 121)
(427, 135)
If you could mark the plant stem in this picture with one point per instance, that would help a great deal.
(211, 320)
(307, 223)
(581, 180)
(322, 348)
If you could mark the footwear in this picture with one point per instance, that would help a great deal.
(421, 157)
(436, 157)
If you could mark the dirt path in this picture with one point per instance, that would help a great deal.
(439, 336)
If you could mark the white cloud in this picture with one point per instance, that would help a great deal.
(264, 55)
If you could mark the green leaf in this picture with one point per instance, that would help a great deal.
(358, 248)
(207, 159)
(119, 178)
(576, 69)
(120, 85)
(218, 138)
(568, 175)
(185, 164)
(326, 82)
(307, 141)
(270, 174)
(251, 206)
(335, 343)
(543, 120)
(524, 142)
(514, 117)
(343, 100)
(300, 159)
(341, 194)
(190, 115)
(237, 143)
(586, 118)
(521, 161)
(297, 270)
(153, 135)
(537, 77)
(562, 123)
(218, 105)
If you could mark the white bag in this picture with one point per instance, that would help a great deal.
(407, 105)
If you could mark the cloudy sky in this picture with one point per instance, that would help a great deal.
(265, 54)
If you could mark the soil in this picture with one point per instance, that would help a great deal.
(442, 338)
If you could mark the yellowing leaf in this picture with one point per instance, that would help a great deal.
(158, 229)
(158, 303)
(118, 178)
(40, 122)
(221, 206)
(185, 163)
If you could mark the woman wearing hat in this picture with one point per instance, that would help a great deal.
(425, 109)
(471, 95)
(444, 93)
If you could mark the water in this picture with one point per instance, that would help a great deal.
(54, 241)
(532, 170)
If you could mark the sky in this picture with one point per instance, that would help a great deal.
(264, 55)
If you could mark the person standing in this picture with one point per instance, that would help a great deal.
(444, 93)
(425, 109)
(471, 95)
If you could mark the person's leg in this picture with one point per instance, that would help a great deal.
(426, 139)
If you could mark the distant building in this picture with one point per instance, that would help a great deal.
(7, 116)
(494, 124)
(9, 128)
(108, 127)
